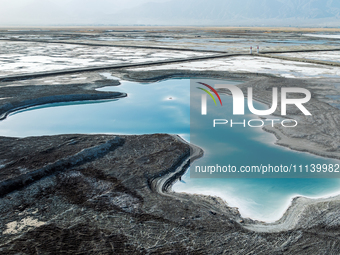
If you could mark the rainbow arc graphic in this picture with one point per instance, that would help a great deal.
(209, 93)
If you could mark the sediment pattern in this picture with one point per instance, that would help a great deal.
(106, 204)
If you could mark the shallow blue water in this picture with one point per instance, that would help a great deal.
(164, 107)
(159, 107)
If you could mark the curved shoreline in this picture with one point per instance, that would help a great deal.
(9, 108)
(297, 204)
(288, 221)
(163, 184)
(292, 219)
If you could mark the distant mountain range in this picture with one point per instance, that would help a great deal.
(234, 12)
(174, 12)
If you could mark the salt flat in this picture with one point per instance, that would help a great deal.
(255, 64)
(28, 57)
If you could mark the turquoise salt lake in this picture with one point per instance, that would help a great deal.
(164, 107)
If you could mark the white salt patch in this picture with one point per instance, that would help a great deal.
(15, 227)
(277, 67)
(109, 76)
(321, 55)
(37, 57)
(337, 36)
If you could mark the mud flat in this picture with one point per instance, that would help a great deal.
(19, 97)
(102, 195)
(318, 133)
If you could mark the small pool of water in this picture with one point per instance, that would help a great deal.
(164, 107)
(161, 107)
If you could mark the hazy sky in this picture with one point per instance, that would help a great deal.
(170, 12)
(30, 12)
(9, 5)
